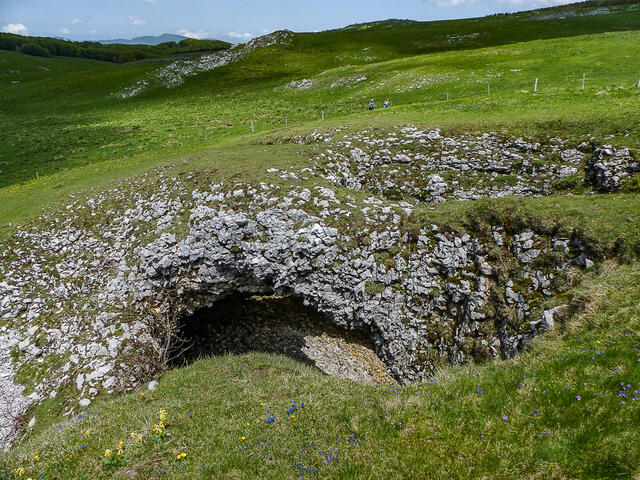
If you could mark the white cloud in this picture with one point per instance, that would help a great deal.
(93, 31)
(241, 36)
(76, 21)
(64, 31)
(200, 34)
(17, 28)
(148, 1)
(137, 21)
(454, 3)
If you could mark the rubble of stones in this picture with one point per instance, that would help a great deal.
(86, 293)
(609, 168)
(433, 167)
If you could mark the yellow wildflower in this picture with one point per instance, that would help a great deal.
(243, 438)
(120, 452)
(107, 453)
(20, 471)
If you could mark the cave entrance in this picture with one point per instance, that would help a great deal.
(242, 323)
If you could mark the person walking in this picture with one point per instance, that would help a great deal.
(387, 103)
(372, 104)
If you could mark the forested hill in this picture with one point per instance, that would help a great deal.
(118, 53)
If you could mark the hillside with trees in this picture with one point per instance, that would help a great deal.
(117, 53)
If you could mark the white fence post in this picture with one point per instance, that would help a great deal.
(323, 115)
(447, 96)
(488, 89)
(286, 121)
(252, 129)
(535, 86)
(584, 75)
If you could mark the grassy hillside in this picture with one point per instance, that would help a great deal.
(566, 409)
(68, 116)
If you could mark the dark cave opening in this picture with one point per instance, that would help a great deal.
(243, 323)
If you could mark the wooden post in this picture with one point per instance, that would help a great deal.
(584, 75)
(286, 121)
(488, 89)
(252, 129)
(37, 176)
(323, 115)
(447, 96)
(535, 86)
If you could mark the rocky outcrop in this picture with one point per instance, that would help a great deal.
(608, 168)
(433, 167)
(88, 296)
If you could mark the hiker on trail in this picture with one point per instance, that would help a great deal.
(387, 103)
(372, 104)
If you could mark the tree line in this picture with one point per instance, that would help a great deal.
(117, 53)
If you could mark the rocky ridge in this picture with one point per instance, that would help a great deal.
(87, 297)
(175, 73)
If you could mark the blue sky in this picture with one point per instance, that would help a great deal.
(235, 21)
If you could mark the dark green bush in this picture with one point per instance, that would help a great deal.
(34, 49)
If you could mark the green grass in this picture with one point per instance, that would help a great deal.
(447, 428)
(95, 138)
(67, 116)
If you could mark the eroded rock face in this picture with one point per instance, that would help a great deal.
(87, 295)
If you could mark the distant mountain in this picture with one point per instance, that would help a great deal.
(148, 40)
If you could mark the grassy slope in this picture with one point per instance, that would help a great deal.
(60, 119)
(94, 138)
(565, 409)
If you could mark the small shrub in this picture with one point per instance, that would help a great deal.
(393, 194)
(634, 184)
(374, 288)
(506, 179)
(566, 183)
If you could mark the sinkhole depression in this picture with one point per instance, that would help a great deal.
(242, 323)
